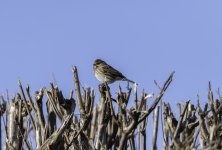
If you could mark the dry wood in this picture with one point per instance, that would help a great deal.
(99, 126)
(55, 137)
(155, 127)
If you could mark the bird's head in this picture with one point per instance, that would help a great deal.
(97, 62)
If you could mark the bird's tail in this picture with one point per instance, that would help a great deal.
(125, 79)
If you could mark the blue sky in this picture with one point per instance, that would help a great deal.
(145, 39)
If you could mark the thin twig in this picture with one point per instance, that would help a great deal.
(26, 105)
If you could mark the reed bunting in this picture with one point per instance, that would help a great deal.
(106, 73)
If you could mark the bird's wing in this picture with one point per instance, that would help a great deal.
(109, 70)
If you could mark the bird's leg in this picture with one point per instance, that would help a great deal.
(107, 88)
(102, 84)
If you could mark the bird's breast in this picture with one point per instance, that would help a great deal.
(99, 77)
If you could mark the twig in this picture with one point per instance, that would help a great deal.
(181, 119)
(54, 138)
(26, 105)
(155, 128)
(158, 98)
(78, 93)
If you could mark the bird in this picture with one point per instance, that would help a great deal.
(106, 73)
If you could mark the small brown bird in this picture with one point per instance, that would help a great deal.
(106, 73)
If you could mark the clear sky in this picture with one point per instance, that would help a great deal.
(145, 39)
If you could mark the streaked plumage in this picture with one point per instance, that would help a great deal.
(106, 73)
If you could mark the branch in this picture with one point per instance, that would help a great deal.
(57, 135)
(78, 93)
(26, 105)
(155, 127)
